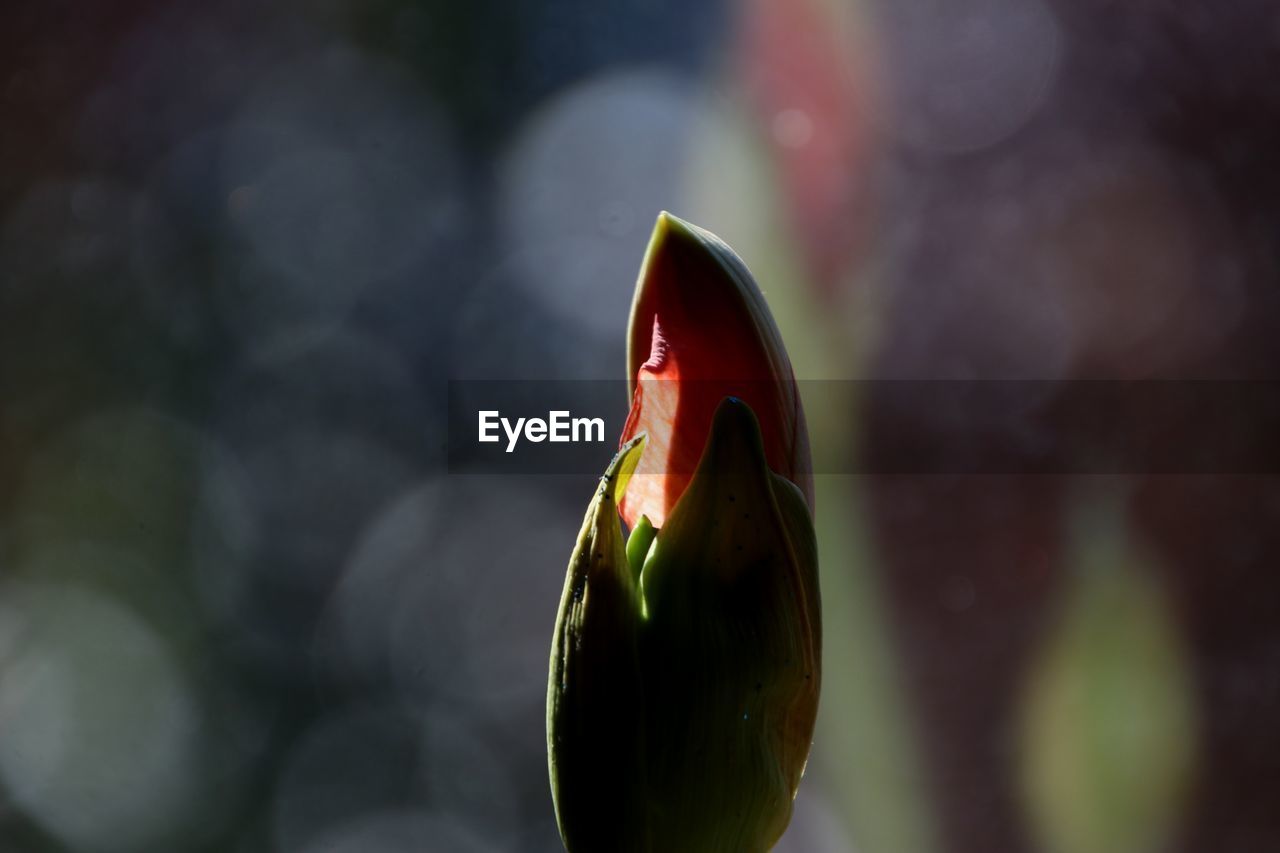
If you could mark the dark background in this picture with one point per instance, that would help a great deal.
(245, 606)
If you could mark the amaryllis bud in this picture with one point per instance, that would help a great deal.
(685, 664)
(700, 331)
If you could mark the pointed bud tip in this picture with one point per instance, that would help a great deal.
(734, 410)
(684, 267)
(670, 227)
(735, 436)
(613, 485)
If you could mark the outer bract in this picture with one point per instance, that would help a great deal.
(684, 680)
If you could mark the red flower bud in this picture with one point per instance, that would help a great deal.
(700, 331)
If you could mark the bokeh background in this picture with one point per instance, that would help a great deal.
(244, 606)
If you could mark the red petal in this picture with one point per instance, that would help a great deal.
(706, 333)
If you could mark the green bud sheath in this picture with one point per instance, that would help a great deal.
(730, 649)
(594, 727)
(680, 711)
